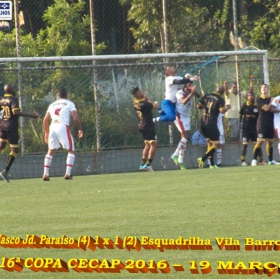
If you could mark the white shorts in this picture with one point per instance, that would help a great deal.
(183, 123)
(60, 135)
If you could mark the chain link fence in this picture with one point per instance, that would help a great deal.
(40, 23)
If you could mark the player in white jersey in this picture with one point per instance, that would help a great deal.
(58, 133)
(183, 109)
(276, 121)
(172, 85)
(221, 127)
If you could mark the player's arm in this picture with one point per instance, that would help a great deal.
(273, 105)
(224, 109)
(188, 98)
(251, 87)
(77, 122)
(154, 103)
(17, 112)
(46, 126)
(185, 80)
(226, 88)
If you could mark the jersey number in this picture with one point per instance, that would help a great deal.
(56, 112)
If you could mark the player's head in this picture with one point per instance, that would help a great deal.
(137, 93)
(265, 89)
(234, 87)
(170, 71)
(220, 89)
(187, 87)
(250, 96)
(62, 93)
(9, 89)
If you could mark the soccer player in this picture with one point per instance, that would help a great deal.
(265, 126)
(276, 104)
(144, 106)
(184, 102)
(248, 118)
(58, 133)
(211, 105)
(172, 85)
(10, 112)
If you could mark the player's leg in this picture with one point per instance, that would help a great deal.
(277, 133)
(47, 164)
(245, 142)
(212, 136)
(169, 112)
(151, 154)
(151, 144)
(269, 144)
(13, 140)
(53, 144)
(220, 150)
(183, 125)
(69, 164)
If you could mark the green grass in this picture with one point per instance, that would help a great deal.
(236, 202)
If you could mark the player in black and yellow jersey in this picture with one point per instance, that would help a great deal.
(265, 126)
(144, 106)
(10, 112)
(212, 105)
(248, 117)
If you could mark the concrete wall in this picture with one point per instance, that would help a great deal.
(113, 161)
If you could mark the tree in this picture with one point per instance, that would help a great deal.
(190, 27)
(33, 11)
(260, 25)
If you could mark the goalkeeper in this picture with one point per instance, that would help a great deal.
(172, 85)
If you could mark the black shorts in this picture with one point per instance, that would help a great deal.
(249, 136)
(10, 136)
(149, 134)
(211, 133)
(265, 131)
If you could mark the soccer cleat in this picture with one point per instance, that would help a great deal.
(244, 163)
(182, 166)
(213, 166)
(200, 162)
(147, 167)
(4, 175)
(141, 166)
(175, 159)
(219, 165)
(273, 162)
(262, 163)
(254, 162)
(46, 178)
(67, 177)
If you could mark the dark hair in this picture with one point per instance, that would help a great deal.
(62, 92)
(264, 84)
(8, 88)
(134, 90)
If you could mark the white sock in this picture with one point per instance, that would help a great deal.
(208, 161)
(47, 164)
(69, 163)
(182, 147)
(219, 156)
(181, 156)
(279, 148)
(156, 119)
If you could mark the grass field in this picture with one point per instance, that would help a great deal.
(231, 202)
